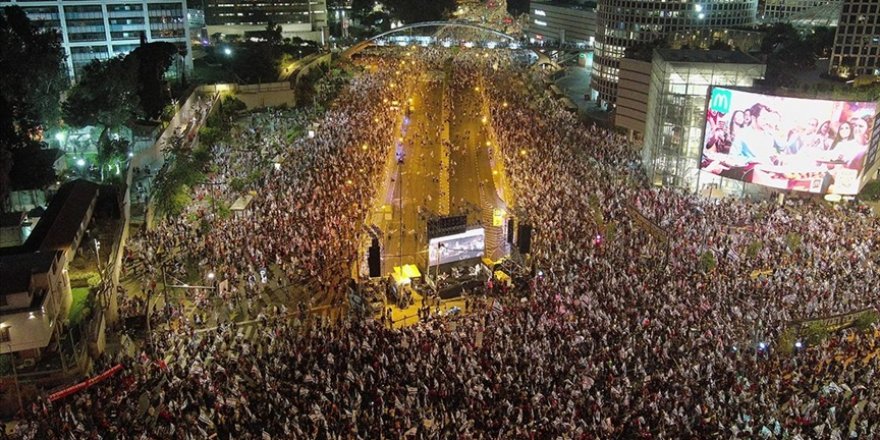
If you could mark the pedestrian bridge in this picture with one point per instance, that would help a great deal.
(448, 34)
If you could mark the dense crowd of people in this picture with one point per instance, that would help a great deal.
(625, 331)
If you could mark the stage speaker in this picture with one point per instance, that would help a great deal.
(374, 260)
(524, 238)
(510, 230)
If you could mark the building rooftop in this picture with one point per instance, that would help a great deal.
(11, 219)
(706, 56)
(16, 270)
(58, 225)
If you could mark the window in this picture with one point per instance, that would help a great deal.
(4, 334)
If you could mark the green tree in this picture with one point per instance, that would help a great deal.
(33, 167)
(273, 33)
(32, 79)
(517, 7)
(152, 60)
(106, 95)
(111, 153)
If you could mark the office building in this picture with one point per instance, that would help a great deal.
(625, 23)
(566, 24)
(676, 110)
(857, 43)
(35, 295)
(306, 19)
(782, 10)
(102, 29)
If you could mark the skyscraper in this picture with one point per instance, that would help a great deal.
(781, 10)
(625, 23)
(857, 43)
(102, 29)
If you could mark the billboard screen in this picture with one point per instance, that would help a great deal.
(458, 247)
(787, 143)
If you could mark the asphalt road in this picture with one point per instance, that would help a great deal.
(419, 180)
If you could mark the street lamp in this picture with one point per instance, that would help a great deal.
(227, 51)
(80, 162)
(60, 137)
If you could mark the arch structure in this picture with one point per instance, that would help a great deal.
(353, 50)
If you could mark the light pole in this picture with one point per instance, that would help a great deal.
(15, 377)
(61, 136)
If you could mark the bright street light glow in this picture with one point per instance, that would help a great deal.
(81, 162)
(227, 51)
(210, 275)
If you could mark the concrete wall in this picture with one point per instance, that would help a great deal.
(256, 95)
(632, 95)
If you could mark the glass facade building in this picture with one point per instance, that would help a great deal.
(95, 30)
(857, 43)
(676, 116)
(626, 23)
(783, 10)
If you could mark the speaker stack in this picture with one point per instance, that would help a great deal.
(374, 259)
(510, 230)
(524, 238)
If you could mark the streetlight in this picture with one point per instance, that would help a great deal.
(227, 51)
(60, 137)
(80, 162)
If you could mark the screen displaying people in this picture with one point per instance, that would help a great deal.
(458, 247)
(787, 143)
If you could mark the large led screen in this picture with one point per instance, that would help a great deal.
(458, 247)
(787, 143)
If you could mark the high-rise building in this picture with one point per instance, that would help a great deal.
(568, 23)
(781, 10)
(306, 19)
(857, 43)
(626, 23)
(101, 29)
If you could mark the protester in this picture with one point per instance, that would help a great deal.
(623, 333)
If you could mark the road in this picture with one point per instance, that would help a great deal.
(421, 181)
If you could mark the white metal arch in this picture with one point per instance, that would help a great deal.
(366, 43)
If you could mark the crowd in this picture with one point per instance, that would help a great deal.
(622, 333)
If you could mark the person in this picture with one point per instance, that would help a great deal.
(846, 147)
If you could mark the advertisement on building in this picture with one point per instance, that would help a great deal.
(795, 144)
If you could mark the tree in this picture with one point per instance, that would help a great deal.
(151, 61)
(273, 33)
(33, 167)
(111, 152)
(105, 95)
(517, 7)
(32, 79)
(256, 62)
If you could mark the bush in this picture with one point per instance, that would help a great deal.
(708, 262)
(871, 191)
(84, 279)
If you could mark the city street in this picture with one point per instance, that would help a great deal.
(438, 154)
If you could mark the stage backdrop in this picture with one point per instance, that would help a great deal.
(458, 247)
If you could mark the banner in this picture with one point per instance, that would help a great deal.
(836, 322)
(646, 224)
(85, 384)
